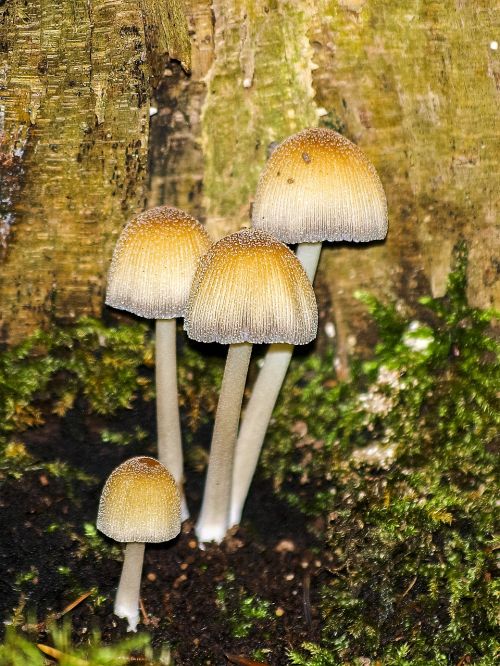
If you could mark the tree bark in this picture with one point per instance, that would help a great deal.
(414, 84)
(74, 119)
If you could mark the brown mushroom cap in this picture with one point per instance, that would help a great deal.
(140, 502)
(249, 287)
(318, 185)
(154, 262)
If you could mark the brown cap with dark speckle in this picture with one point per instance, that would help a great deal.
(140, 502)
(318, 185)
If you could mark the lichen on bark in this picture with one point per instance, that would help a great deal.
(259, 92)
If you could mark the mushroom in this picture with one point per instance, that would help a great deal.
(150, 275)
(248, 288)
(140, 503)
(316, 186)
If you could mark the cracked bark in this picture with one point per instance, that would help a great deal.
(74, 120)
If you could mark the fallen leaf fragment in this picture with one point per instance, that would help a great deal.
(57, 654)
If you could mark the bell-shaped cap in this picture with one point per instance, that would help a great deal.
(316, 186)
(140, 502)
(249, 287)
(154, 262)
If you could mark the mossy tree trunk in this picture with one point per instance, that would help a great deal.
(76, 80)
(414, 84)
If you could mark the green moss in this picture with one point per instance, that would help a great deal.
(17, 650)
(401, 464)
(90, 360)
(26, 577)
(106, 367)
(199, 379)
(245, 614)
(119, 438)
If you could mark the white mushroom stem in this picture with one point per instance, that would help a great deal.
(308, 255)
(214, 517)
(259, 409)
(167, 405)
(127, 595)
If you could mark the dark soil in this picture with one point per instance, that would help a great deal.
(271, 557)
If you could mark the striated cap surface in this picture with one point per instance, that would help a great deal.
(154, 262)
(249, 287)
(140, 502)
(318, 185)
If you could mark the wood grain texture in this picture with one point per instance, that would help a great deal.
(416, 86)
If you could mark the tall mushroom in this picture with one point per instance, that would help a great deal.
(140, 503)
(248, 288)
(316, 186)
(150, 275)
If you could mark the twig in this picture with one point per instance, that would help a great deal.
(74, 604)
(145, 617)
(464, 660)
(409, 588)
(306, 597)
(243, 661)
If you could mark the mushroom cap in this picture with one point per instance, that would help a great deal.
(154, 262)
(316, 186)
(140, 502)
(249, 287)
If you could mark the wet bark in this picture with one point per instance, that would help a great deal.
(74, 118)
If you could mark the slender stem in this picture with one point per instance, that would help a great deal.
(127, 595)
(254, 424)
(167, 404)
(213, 521)
(260, 407)
(308, 255)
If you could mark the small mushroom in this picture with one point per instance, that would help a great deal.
(316, 186)
(150, 275)
(248, 288)
(140, 504)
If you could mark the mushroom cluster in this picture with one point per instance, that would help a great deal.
(247, 288)
(150, 275)
(317, 186)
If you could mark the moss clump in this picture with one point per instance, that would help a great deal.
(245, 614)
(18, 651)
(401, 464)
(98, 368)
(99, 363)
